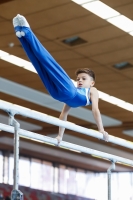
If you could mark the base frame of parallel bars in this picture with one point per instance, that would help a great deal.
(112, 167)
(16, 194)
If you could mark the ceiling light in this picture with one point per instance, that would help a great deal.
(101, 9)
(122, 22)
(131, 33)
(128, 132)
(73, 41)
(17, 61)
(104, 96)
(11, 44)
(122, 65)
(30, 68)
(3, 53)
(118, 102)
(127, 106)
(81, 1)
(13, 59)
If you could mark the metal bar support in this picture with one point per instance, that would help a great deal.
(15, 194)
(112, 167)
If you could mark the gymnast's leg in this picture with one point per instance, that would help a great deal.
(55, 79)
(29, 52)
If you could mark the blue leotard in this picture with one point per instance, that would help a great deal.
(81, 98)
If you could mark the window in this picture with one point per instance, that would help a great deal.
(36, 174)
(63, 172)
(24, 171)
(71, 181)
(43, 175)
(11, 167)
(47, 176)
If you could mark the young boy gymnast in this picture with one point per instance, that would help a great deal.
(55, 79)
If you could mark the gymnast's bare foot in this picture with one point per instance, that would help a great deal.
(59, 139)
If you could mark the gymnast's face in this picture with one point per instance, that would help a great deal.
(84, 81)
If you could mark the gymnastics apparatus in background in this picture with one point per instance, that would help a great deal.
(14, 127)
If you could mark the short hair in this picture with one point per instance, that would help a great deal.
(87, 71)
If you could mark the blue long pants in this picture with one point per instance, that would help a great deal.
(54, 78)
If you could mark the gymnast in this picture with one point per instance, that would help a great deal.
(57, 82)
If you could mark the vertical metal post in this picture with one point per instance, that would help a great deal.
(15, 194)
(16, 154)
(112, 167)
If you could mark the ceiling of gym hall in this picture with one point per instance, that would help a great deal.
(96, 44)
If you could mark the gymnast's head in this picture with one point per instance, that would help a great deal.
(85, 78)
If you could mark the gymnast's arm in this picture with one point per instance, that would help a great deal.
(96, 113)
(63, 116)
